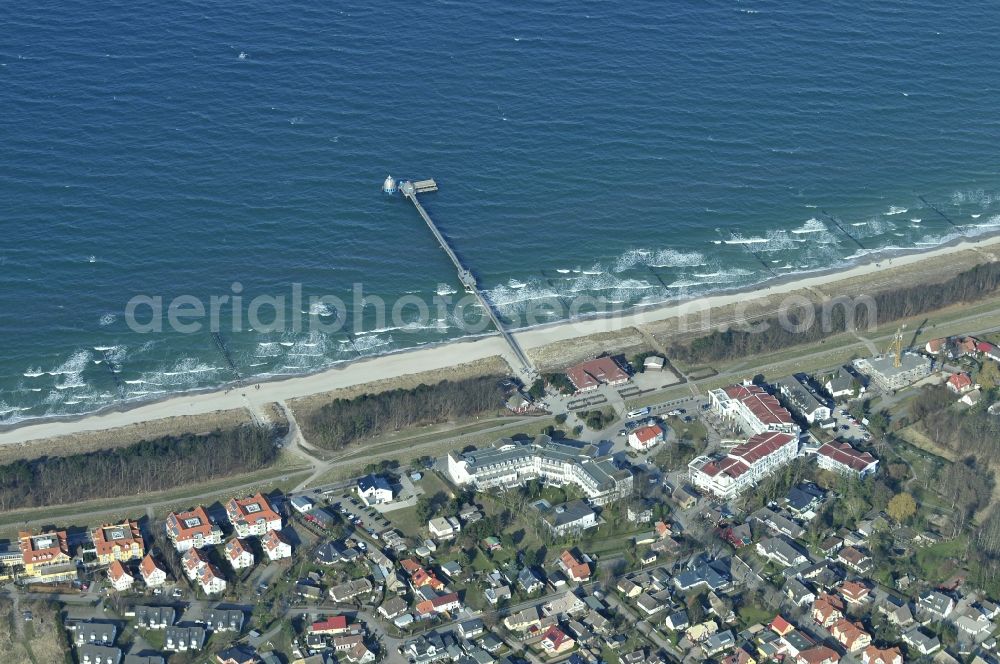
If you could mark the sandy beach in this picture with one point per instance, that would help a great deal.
(534, 340)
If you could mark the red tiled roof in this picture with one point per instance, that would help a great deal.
(31, 555)
(148, 566)
(761, 445)
(333, 623)
(117, 571)
(781, 626)
(594, 372)
(960, 381)
(846, 455)
(764, 406)
(187, 525)
(251, 510)
(818, 655)
(106, 546)
(646, 434)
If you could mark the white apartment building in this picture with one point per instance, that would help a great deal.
(744, 465)
(752, 409)
(510, 463)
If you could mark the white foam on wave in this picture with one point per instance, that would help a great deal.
(975, 216)
(895, 209)
(812, 225)
(320, 309)
(563, 271)
(445, 289)
(915, 220)
(34, 373)
(774, 240)
(661, 258)
(515, 284)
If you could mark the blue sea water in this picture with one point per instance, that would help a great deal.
(639, 151)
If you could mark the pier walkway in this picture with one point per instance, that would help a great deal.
(410, 190)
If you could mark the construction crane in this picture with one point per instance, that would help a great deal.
(896, 348)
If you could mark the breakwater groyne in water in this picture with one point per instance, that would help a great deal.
(411, 190)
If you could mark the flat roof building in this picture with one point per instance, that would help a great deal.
(888, 377)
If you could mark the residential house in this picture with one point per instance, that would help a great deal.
(646, 437)
(375, 490)
(960, 383)
(827, 610)
(856, 560)
(252, 516)
(119, 577)
(153, 575)
(577, 571)
(523, 620)
(921, 642)
(782, 550)
(529, 580)
(333, 626)
(850, 635)
(799, 593)
(677, 621)
(817, 655)
(238, 654)
(152, 617)
(444, 527)
(718, 642)
(183, 639)
(94, 654)
(223, 620)
(392, 608)
(555, 641)
(470, 629)
(874, 655)
(211, 580)
(275, 545)
(192, 530)
(120, 542)
(302, 504)
(238, 554)
(936, 604)
(439, 604)
(855, 593)
(345, 592)
(780, 626)
(192, 561)
(98, 633)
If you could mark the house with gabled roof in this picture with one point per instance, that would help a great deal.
(252, 516)
(121, 580)
(121, 541)
(276, 545)
(238, 554)
(152, 573)
(192, 530)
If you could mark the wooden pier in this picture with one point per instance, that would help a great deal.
(410, 190)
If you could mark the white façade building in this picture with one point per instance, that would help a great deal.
(843, 459)
(751, 408)
(744, 465)
(509, 463)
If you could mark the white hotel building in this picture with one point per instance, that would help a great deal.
(752, 409)
(510, 463)
(743, 466)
